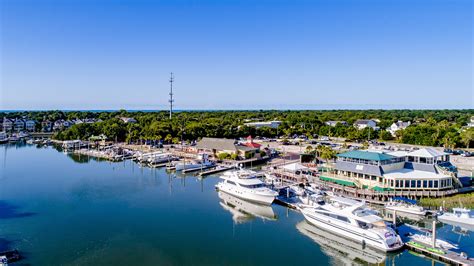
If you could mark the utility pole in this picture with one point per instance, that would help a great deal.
(171, 100)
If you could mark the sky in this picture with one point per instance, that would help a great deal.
(229, 54)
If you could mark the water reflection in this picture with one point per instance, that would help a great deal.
(342, 250)
(10, 211)
(243, 211)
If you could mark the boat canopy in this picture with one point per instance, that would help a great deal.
(404, 199)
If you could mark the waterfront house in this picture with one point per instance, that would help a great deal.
(424, 169)
(7, 124)
(364, 123)
(30, 125)
(399, 125)
(334, 123)
(18, 125)
(46, 126)
(271, 124)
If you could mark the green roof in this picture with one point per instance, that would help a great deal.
(337, 181)
(366, 155)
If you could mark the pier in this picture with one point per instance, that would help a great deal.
(447, 256)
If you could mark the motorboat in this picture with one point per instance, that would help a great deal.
(160, 158)
(201, 163)
(428, 240)
(400, 204)
(353, 219)
(244, 184)
(342, 250)
(243, 211)
(462, 217)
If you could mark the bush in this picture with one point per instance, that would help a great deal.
(223, 156)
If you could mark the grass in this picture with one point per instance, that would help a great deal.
(464, 200)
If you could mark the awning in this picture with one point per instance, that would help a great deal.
(381, 189)
(338, 181)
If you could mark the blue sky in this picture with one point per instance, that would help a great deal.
(73, 54)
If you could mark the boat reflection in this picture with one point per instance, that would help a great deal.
(243, 211)
(344, 251)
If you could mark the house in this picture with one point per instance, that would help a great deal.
(471, 124)
(128, 119)
(7, 124)
(216, 146)
(18, 125)
(62, 124)
(424, 169)
(399, 125)
(30, 125)
(252, 144)
(46, 126)
(271, 124)
(363, 123)
(334, 123)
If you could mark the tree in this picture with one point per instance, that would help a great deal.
(467, 136)
(385, 135)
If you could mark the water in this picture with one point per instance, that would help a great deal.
(59, 209)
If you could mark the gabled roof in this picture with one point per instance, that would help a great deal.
(216, 144)
(363, 121)
(426, 153)
(366, 155)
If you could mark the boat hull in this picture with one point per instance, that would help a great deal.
(344, 231)
(245, 194)
(405, 210)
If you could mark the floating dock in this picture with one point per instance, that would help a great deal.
(216, 170)
(446, 256)
(184, 171)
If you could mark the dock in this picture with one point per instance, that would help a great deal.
(216, 170)
(184, 171)
(447, 256)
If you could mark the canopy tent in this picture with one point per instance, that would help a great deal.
(404, 199)
(295, 167)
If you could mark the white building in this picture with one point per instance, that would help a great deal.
(471, 124)
(399, 125)
(334, 123)
(363, 123)
(271, 124)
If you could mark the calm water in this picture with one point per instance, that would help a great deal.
(63, 210)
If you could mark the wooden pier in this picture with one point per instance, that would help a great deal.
(215, 170)
(448, 256)
(184, 171)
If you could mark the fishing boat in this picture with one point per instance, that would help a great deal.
(405, 205)
(160, 158)
(201, 163)
(353, 219)
(244, 184)
(428, 240)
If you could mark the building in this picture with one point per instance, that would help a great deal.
(471, 124)
(334, 123)
(30, 125)
(7, 124)
(18, 125)
(424, 169)
(363, 123)
(128, 119)
(216, 146)
(399, 125)
(46, 126)
(271, 124)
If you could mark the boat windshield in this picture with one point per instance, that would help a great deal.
(253, 186)
(379, 224)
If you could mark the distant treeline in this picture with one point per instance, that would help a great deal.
(429, 127)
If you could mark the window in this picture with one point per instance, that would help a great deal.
(422, 160)
(430, 184)
(413, 183)
(374, 178)
(436, 183)
(425, 183)
(397, 183)
(418, 183)
(407, 183)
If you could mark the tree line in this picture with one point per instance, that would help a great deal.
(429, 127)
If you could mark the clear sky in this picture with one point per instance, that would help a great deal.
(104, 54)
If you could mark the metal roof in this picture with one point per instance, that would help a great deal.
(366, 155)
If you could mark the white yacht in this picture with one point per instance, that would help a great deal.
(406, 206)
(3, 137)
(243, 210)
(459, 216)
(343, 251)
(244, 184)
(160, 158)
(201, 162)
(352, 219)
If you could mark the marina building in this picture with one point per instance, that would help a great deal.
(424, 169)
(216, 146)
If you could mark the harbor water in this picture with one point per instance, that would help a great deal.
(63, 209)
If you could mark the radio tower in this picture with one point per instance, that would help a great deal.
(171, 94)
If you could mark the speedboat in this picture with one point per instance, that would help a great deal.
(353, 219)
(405, 205)
(244, 184)
(459, 216)
(428, 240)
(344, 251)
(243, 210)
(201, 163)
